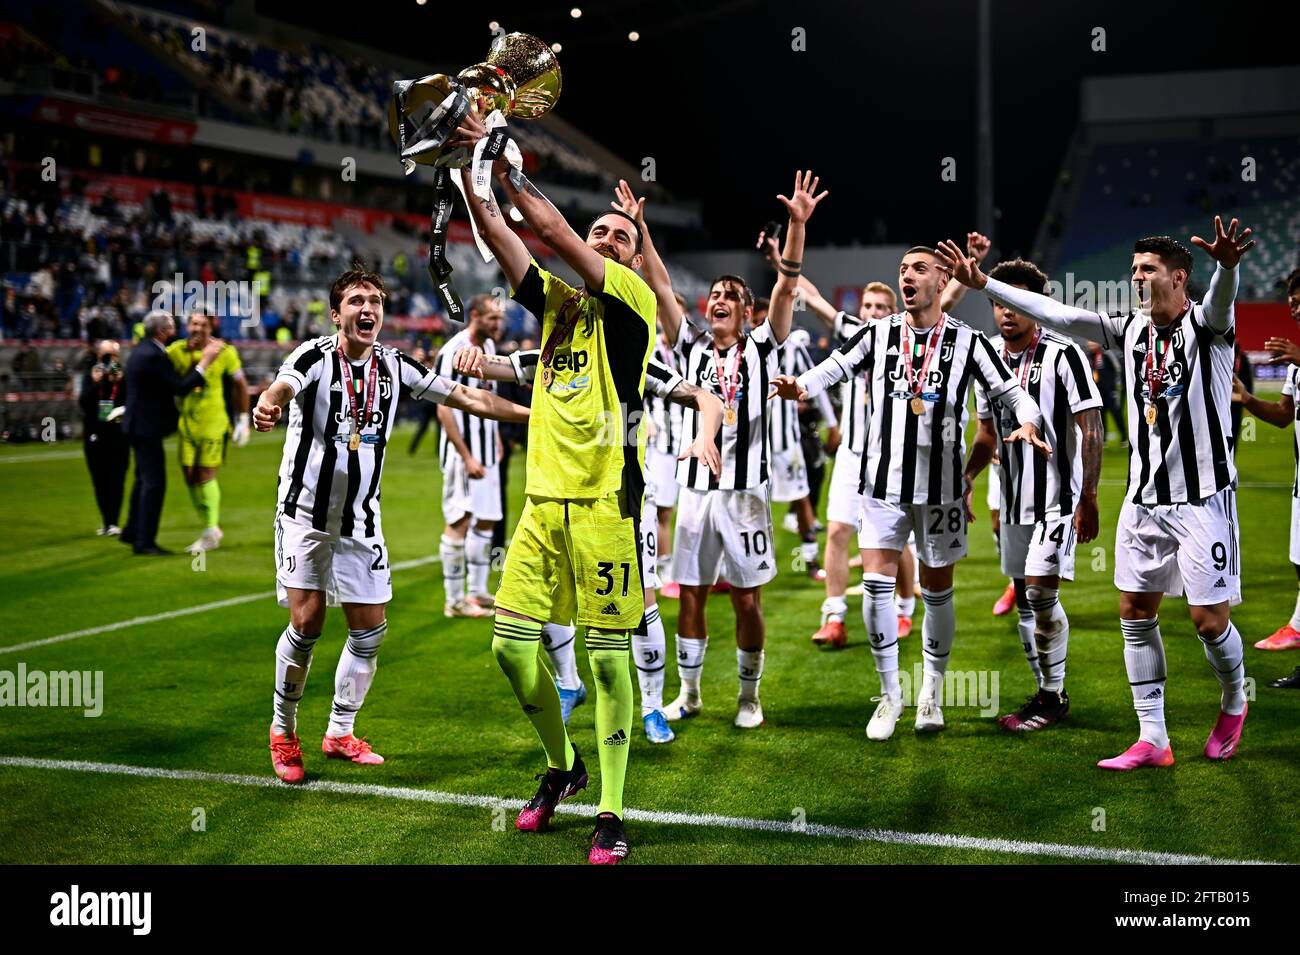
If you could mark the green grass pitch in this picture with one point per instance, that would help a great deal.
(193, 693)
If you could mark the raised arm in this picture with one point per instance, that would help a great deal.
(653, 269)
(1077, 322)
(812, 296)
(1226, 250)
(510, 252)
(803, 200)
(977, 246)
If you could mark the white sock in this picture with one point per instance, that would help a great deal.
(749, 663)
(648, 651)
(809, 551)
(292, 663)
(690, 663)
(906, 606)
(1295, 615)
(881, 619)
(478, 554)
(664, 568)
(1225, 654)
(452, 553)
(1144, 659)
(1051, 634)
(353, 676)
(1026, 629)
(558, 639)
(937, 632)
(835, 609)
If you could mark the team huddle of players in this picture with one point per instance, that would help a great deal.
(718, 444)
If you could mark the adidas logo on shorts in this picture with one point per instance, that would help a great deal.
(763, 566)
(617, 738)
(1051, 559)
(1220, 582)
(610, 609)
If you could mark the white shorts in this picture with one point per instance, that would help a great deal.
(1295, 530)
(789, 475)
(661, 476)
(724, 532)
(346, 569)
(940, 529)
(1177, 549)
(994, 498)
(1039, 550)
(844, 504)
(462, 495)
(649, 543)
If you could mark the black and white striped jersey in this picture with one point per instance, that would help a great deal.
(1291, 388)
(1058, 376)
(783, 417)
(667, 417)
(322, 482)
(854, 394)
(911, 458)
(1186, 455)
(480, 434)
(742, 445)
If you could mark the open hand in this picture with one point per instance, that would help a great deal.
(965, 268)
(804, 197)
(1227, 247)
(1028, 433)
(787, 387)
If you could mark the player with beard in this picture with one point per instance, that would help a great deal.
(1177, 531)
(575, 553)
(921, 364)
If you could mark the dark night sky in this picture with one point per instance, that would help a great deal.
(714, 92)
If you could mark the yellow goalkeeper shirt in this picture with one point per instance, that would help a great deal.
(204, 409)
(581, 443)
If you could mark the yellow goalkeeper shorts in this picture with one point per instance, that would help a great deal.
(576, 560)
(201, 449)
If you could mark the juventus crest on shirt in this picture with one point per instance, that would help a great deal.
(332, 462)
(919, 380)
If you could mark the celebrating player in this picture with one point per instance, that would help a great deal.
(1044, 505)
(724, 522)
(1280, 414)
(574, 554)
(648, 643)
(342, 391)
(921, 365)
(204, 425)
(469, 452)
(1177, 529)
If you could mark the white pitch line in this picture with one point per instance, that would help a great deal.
(182, 612)
(782, 827)
(49, 456)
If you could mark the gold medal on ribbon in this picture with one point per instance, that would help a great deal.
(1152, 414)
(547, 375)
(729, 416)
(354, 441)
(918, 406)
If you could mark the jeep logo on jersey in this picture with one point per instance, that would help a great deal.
(376, 417)
(573, 361)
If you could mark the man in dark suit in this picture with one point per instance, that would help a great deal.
(152, 386)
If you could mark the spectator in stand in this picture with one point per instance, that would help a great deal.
(107, 451)
(27, 366)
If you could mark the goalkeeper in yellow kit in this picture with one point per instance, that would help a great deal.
(204, 427)
(574, 553)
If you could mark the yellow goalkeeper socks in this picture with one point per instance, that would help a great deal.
(609, 654)
(516, 644)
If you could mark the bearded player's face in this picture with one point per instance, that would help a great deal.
(361, 313)
(615, 238)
